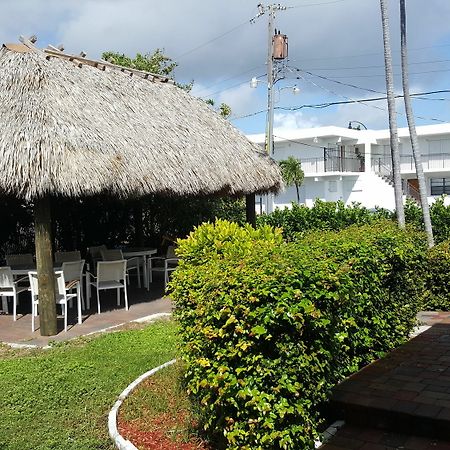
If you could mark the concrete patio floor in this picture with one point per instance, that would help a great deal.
(142, 303)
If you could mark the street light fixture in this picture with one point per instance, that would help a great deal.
(360, 124)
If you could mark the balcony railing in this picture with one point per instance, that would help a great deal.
(333, 161)
(335, 164)
(434, 161)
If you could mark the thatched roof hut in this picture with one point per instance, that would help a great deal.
(72, 126)
(73, 129)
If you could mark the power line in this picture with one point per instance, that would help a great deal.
(374, 53)
(378, 66)
(316, 4)
(363, 102)
(229, 79)
(396, 74)
(375, 91)
(298, 142)
(337, 103)
(227, 89)
(211, 40)
(340, 82)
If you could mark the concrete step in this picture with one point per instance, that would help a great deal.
(406, 391)
(366, 438)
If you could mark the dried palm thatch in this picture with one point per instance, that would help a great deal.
(72, 129)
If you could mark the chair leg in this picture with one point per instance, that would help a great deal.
(139, 276)
(98, 300)
(64, 308)
(118, 296)
(88, 291)
(33, 313)
(5, 304)
(150, 271)
(79, 300)
(81, 293)
(126, 296)
(15, 307)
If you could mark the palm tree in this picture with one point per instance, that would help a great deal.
(291, 170)
(412, 128)
(392, 116)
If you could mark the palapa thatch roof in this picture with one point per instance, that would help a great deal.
(72, 129)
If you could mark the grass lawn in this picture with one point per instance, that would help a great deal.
(60, 398)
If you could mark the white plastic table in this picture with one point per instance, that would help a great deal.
(144, 254)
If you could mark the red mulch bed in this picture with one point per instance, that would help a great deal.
(144, 424)
(156, 440)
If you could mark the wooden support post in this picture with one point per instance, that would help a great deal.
(250, 212)
(44, 260)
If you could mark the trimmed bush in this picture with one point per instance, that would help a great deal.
(437, 275)
(268, 327)
(322, 216)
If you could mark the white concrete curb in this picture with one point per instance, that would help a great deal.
(329, 433)
(120, 441)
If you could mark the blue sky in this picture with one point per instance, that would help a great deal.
(216, 46)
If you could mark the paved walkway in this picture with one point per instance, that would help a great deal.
(391, 402)
(142, 303)
(351, 437)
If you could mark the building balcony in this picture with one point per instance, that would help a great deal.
(431, 162)
(333, 164)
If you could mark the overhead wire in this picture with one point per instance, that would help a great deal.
(336, 103)
(228, 79)
(198, 47)
(377, 66)
(362, 102)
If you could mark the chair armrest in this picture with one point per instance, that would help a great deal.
(172, 260)
(71, 284)
(155, 258)
(133, 262)
(21, 279)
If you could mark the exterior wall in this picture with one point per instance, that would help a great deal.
(354, 162)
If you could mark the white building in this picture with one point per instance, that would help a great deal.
(355, 165)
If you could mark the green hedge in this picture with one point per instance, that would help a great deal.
(321, 216)
(268, 327)
(336, 216)
(437, 276)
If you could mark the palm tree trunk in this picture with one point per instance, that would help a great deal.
(298, 192)
(392, 116)
(412, 129)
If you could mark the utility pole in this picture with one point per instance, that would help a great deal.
(271, 78)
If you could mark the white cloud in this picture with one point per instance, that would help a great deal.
(213, 41)
(286, 122)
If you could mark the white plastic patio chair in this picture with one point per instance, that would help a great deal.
(111, 275)
(26, 259)
(61, 257)
(95, 254)
(169, 264)
(73, 276)
(10, 288)
(62, 297)
(117, 255)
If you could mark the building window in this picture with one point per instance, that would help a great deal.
(440, 186)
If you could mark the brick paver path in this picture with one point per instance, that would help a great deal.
(406, 394)
(363, 438)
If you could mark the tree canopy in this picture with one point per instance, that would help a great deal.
(292, 172)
